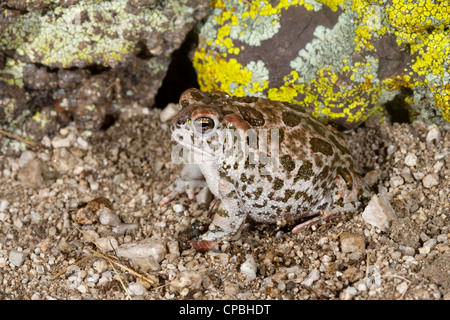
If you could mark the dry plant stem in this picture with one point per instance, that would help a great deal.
(67, 268)
(123, 267)
(16, 137)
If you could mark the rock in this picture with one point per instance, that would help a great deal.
(430, 180)
(402, 287)
(230, 289)
(248, 268)
(433, 135)
(372, 177)
(4, 204)
(178, 208)
(17, 258)
(186, 279)
(352, 242)
(396, 181)
(169, 112)
(313, 276)
(109, 218)
(124, 228)
(151, 247)
(411, 160)
(136, 289)
(26, 157)
(59, 142)
(107, 244)
(379, 212)
(31, 174)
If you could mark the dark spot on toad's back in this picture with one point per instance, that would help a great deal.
(345, 174)
(291, 119)
(252, 116)
(305, 172)
(278, 184)
(287, 162)
(320, 145)
(343, 149)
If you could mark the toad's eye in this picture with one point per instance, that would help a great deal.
(204, 125)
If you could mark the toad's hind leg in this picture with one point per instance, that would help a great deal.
(226, 222)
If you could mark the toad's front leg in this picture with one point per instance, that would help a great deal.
(191, 182)
(227, 221)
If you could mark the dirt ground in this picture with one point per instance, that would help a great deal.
(46, 254)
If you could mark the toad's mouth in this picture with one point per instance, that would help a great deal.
(185, 139)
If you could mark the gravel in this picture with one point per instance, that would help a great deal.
(42, 247)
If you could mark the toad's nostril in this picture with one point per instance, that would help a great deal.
(178, 123)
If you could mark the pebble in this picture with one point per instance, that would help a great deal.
(352, 242)
(379, 212)
(396, 181)
(109, 218)
(430, 243)
(411, 160)
(31, 174)
(248, 268)
(169, 111)
(187, 279)
(178, 208)
(17, 258)
(230, 289)
(402, 287)
(4, 204)
(150, 247)
(59, 142)
(313, 276)
(430, 181)
(136, 289)
(433, 135)
(26, 157)
(107, 243)
(124, 228)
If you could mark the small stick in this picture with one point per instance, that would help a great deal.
(121, 281)
(31, 143)
(66, 268)
(123, 267)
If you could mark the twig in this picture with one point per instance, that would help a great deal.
(31, 143)
(123, 266)
(67, 268)
(121, 281)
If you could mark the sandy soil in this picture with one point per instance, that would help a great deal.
(45, 191)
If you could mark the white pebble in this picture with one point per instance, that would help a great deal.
(248, 268)
(402, 287)
(151, 247)
(430, 243)
(187, 279)
(411, 160)
(178, 208)
(4, 204)
(352, 242)
(17, 258)
(169, 111)
(379, 212)
(434, 135)
(109, 218)
(136, 289)
(107, 244)
(313, 276)
(59, 142)
(26, 157)
(430, 181)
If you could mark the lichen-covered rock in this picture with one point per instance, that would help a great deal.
(83, 59)
(343, 58)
